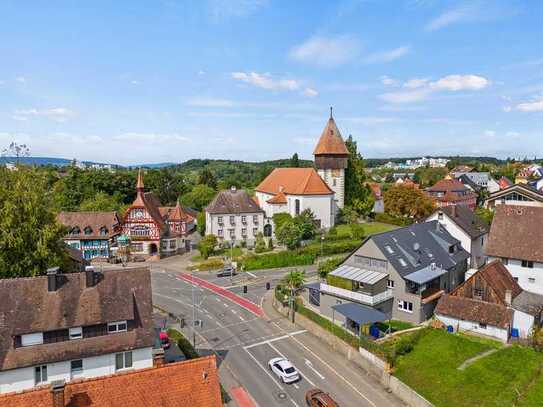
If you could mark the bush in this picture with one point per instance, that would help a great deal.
(330, 248)
(393, 220)
(275, 260)
(270, 244)
(183, 343)
(329, 265)
(280, 218)
(260, 244)
(211, 264)
(207, 245)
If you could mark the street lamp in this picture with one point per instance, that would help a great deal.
(322, 244)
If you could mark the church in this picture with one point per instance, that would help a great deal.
(320, 189)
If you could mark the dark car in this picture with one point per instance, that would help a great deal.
(227, 271)
(318, 398)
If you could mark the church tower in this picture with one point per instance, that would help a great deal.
(331, 156)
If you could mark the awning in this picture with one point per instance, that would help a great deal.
(426, 274)
(360, 314)
(358, 274)
(313, 286)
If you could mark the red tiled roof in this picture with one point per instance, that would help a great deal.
(446, 185)
(468, 309)
(278, 199)
(294, 181)
(331, 141)
(193, 383)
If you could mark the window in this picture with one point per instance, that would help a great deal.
(334, 182)
(244, 232)
(339, 302)
(220, 232)
(390, 283)
(478, 292)
(482, 325)
(482, 240)
(140, 230)
(76, 366)
(405, 306)
(103, 231)
(119, 326)
(76, 333)
(40, 374)
(88, 230)
(232, 233)
(402, 262)
(451, 249)
(389, 249)
(505, 261)
(136, 247)
(297, 207)
(75, 231)
(243, 219)
(219, 219)
(255, 219)
(232, 220)
(172, 244)
(32, 339)
(531, 280)
(255, 231)
(440, 216)
(527, 264)
(123, 360)
(137, 213)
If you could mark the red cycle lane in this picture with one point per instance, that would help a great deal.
(242, 302)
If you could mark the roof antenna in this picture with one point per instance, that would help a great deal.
(331, 112)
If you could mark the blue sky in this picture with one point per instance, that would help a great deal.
(153, 81)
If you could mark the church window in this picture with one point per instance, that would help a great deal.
(88, 230)
(297, 207)
(103, 231)
(75, 231)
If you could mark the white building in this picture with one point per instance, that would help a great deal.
(516, 238)
(71, 326)
(516, 194)
(463, 224)
(233, 216)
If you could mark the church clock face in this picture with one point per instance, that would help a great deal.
(138, 213)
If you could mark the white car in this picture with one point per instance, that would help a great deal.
(283, 369)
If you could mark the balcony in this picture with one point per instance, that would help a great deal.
(357, 296)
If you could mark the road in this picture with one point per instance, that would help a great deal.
(244, 342)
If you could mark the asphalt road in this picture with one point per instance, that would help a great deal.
(245, 342)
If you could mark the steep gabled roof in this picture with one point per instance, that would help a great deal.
(468, 309)
(193, 383)
(448, 185)
(466, 219)
(279, 199)
(294, 181)
(331, 141)
(523, 189)
(233, 201)
(516, 233)
(94, 219)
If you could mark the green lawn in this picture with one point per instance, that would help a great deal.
(431, 369)
(377, 227)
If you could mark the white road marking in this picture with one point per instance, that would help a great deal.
(330, 367)
(217, 298)
(310, 365)
(234, 311)
(296, 386)
(240, 317)
(264, 369)
(251, 274)
(274, 339)
(302, 374)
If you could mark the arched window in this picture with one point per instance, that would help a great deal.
(103, 231)
(75, 231)
(88, 230)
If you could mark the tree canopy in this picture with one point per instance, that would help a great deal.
(357, 195)
(408, 202)
(198, 198)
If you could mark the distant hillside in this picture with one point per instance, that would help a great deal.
(43, 161)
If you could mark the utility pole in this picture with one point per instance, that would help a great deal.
(193, 310)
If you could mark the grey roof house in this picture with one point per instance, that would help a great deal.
(401, 273)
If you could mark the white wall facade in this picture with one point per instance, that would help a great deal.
(493, 186)
(475, 247)
(529, 279)
(335, 179)
(239, 230)
(523, 322)
(471, 326)
(103, 365)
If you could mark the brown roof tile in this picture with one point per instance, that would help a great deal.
(294, 181)
(466, 219)
(468, 309)
(331, 141)
(95, 220)
(279, 199)
(516, 233)
(233, 201)
(193, 383)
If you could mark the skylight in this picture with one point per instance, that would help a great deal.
(389, 249)
(402, 262)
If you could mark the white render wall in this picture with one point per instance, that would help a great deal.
(339, 188)
(524, 274)
(103, 365)
(471, 326)
(523, 322)
(213, 226)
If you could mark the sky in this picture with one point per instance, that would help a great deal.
(133, 82)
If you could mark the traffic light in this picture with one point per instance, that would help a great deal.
(244, 289)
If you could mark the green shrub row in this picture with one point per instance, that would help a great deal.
(331, 248)
(210, 264)
(184, 344)
(393, 220)
(275, 260)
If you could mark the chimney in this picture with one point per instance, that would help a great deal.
(453, 211)
(233, 188)
(158, 357)
(52, 279)
(90, 276)
(57, 389)
(508, 297)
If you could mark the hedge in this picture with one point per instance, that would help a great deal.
(210, 264)
(275, 260)
(331, 248)
(393, 220)
(183, 343)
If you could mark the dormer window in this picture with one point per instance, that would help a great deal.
(75, 231)
(76, 333)
(88, 230)
(118, 326)
(451, 249)
(32, 339)
(103, 231)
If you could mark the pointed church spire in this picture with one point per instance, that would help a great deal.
(139, 185)
(331, 116)
(330, 141)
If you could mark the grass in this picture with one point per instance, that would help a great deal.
(183, 343)
(236, 252)
(394, 325)
(377, 227)
(495, 380)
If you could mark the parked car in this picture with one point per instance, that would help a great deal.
(318, 398)
(164, 340)
(227, 271)
(283, 369)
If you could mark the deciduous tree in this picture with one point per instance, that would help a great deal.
(407, 202)
(357, 195)
(198, 198)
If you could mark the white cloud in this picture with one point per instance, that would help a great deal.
(387, 56)
(536, 105)
(451, 16)
(223, 115)
(59, 114)
(310, 92)
(489, 133)
(461, 82)
(421, 89)
(135, 82)
(415, 83)
(220, 10)
(201, 72)
(210, 102)
(507, 109)
(326, 52)
(388, 81)
(265, 81)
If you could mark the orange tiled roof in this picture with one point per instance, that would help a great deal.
(193, 383)
(294, 181)
(330, 141)
(279, 199)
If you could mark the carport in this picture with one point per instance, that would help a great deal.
(358, 316)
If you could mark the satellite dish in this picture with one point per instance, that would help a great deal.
(416, 246)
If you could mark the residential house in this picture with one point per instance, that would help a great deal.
(154, 229)
(537, 184)
(400, 273)
(407, 182)
(291, 190)
(464, 225)
(93, 233)
(74, 325)
(379, 205)
(192, 383)
(515, 238)
(503, 183)
(459, 170)
(483, 304)
(448, 191)
(517, 194)
(233, 216)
